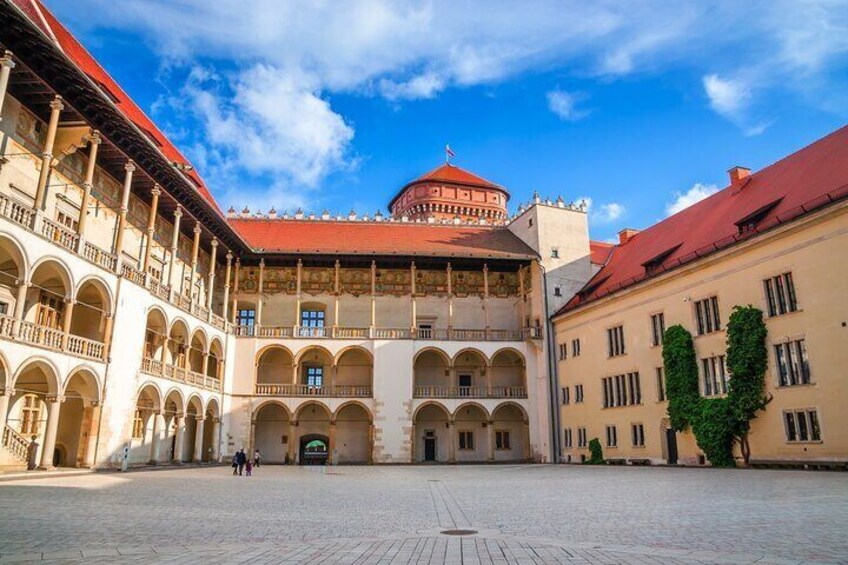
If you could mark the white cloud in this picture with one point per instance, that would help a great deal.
(425, 85)
(728, 97)
(695, 194)
(563, 104)
(605, 213)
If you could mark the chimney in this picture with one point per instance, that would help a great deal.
(625, 235)
(738, 175)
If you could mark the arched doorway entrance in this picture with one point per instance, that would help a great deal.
(352, 441)
(431, 430)
(272, 432)
(509, 435)
(35, 408)
(314, 449)
(76, 438)
(471, 439)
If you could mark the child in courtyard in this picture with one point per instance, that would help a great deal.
(248, 468)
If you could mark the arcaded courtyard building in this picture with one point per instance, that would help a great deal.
(139, 322)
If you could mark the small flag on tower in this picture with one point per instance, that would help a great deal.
(448, 154)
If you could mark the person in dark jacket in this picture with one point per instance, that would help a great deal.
(235, 463)
(241, 458)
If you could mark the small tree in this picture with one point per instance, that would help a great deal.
(747, 362)
(596, 456)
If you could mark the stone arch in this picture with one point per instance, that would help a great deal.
(274, 367)
(432, 373)
(508, 373)
(470, 368)
(178, 342)
(50, 374)
(314, 408)
(147, 424)
(14, 271)
(431, 433)
(354, 371)
(473, 437)
(93, 304)
(312, 424)
(193, 412)
(272, 431)
(213, 408)
(314, 365)
(173, 412)
(4, 373)
(34, 409)
(51, 286)
(76, 436)
(155, 334)
(353, 439)
(198, 349)
(511, 432)
(216, 359)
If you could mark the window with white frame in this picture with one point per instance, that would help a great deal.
(660, 375)
(612, 436)
(502, 440)
(802, 425)
(657, 328)
(563, 351)
(466, 440)
(637, 435)
(715, 375)
(622, 390)
(780, 295)
(615, 341)
(566, 438)
(793, 368)
(581, 437)
(575, 347)
(707, 315)
(554, 252)
(578, 393)
(566, 396)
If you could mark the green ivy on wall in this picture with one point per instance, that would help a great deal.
(719, 422)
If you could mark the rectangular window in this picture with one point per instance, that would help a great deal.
(554, 252)
(502, 440)
(657, 328)
(312, 319)
(793, 368)
(315, 377)
(780, 295)
(638, 433)
(708, 316)
(51, 310)
(567, 439)
(578, 393)
(581, 437)
(246, 317)
(138, 426)
(660, 384)
(575, 347)
(615, 341)
(612, 436)
(802, 425)
(566, 397)
(563, 351)
(466, 440)
(622, 390)
(4, 308)
(715, 375)
(557, 290)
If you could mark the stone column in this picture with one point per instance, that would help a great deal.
(6, 66)
(297, 292)
(491, 426)
(87, 185)
(54, 405)
(450, 298)
(205, 363)
(331, 447)
(66, 321)
(373, 294)
(107, 335)
(56, 108)
(259, 297)
(122, 214)
(225, 306)
(371, 443)
(175, 240)
(164, 354)
(451, 442)
(413, 315)
(336, 288)
(91, 446)
(20, 304)
(210, 286)
(179, 423)
(154, 436)
(486, 298)
(5, 395)
(151, 227)
(195, 249)
(198, 440)
(216, 439)
(236, 291)
(292, 445)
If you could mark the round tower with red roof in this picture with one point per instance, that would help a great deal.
(449, 193)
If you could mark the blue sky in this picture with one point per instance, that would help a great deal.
(638, 106)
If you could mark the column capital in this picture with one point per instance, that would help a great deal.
(94, 403)
(198, 418)
(56, 104)
(129, 166)
(94, 137)
(70, 300)
(214, 242)
(56, 398)
(179, 415)
(196, 227)
(178, 211)
(229, 257)
(7, 392)
(238, 261)
(157, 190)
(262, 262)
(6, 60)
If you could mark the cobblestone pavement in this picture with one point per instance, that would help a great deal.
(357, 515)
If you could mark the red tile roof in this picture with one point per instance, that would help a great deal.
(47, 22)
(599, 252)
(809, 179)
(381, 238)
(450, 174)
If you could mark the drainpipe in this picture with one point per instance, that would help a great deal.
(553, 380)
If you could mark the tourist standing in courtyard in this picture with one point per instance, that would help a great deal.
(241, 459)
(256, 458)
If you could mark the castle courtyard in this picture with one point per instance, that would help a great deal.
(397, 514)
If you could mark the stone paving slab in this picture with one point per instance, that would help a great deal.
(376, 515)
